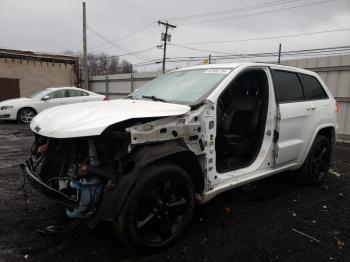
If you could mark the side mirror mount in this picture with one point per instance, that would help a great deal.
(45, 98)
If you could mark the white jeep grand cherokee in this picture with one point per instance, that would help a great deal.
(143, 162)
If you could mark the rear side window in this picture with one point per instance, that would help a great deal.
(72, 93)
(57, 94)
(287, 86)
(312, 88)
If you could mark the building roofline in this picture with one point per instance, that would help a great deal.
(37, 56)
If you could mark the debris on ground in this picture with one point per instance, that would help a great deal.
(340, 243)
(306, 235)
(333, 172)
(227, 210)
(49, 230)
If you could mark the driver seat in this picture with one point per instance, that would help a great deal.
(237, 134)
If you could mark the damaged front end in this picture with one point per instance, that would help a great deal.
(74, 172)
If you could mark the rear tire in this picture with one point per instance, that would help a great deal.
(317, 162)
(158, 208)
(25, 115)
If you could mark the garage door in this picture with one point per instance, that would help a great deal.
(9, 88)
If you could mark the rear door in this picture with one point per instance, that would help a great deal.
(296, 116)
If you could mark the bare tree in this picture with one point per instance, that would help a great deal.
(102, 63)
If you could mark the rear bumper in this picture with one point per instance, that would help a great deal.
(36, 182)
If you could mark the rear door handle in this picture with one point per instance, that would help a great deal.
(311, 108)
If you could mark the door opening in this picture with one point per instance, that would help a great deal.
(241, 115)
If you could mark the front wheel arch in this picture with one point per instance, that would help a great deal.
(23, 108)
(114, 198)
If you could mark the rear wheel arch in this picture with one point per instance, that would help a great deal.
(327, 132)
(317, 162)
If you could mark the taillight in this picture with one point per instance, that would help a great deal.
(105, 98)
(337, 106)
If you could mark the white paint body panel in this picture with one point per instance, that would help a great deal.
(92, 118)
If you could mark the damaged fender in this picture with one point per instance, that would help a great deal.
(116, 193)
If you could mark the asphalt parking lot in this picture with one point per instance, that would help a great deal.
(272, 220)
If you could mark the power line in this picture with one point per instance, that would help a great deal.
(231, 54)
(134, 32)
(227, 11)
(114, 44)
(266, 54)
(125, 42)
(337, 50)
(126, 54)
(197, 49)
(264, 38)
(257, 13)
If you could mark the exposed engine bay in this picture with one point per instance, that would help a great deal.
(78, 169)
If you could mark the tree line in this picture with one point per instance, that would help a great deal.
(101, 63)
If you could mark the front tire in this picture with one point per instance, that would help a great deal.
(158, 208)
(317, 162)
(26, 115)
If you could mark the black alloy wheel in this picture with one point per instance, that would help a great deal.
(320, 159)
(317, 162)
(158, 209)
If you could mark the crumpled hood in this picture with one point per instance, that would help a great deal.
(92, 118)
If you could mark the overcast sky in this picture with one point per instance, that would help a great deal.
(56, 25)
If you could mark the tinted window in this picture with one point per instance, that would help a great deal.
(287, 86)
(57, 94)
(312, 87)
(76, 93)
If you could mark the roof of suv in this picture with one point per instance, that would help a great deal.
(247, 64)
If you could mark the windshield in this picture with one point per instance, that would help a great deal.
(36, 94)
(184, 87)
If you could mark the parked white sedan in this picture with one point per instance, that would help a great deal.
(25, 108)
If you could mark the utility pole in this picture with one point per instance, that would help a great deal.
(279, 53)
(106, 80)
(165, 38)
(86, 71)
(132, 78)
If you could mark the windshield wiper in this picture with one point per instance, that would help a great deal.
(154, 98)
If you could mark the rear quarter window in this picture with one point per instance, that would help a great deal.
(287, 86)
(312, 88)
(73, 93)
